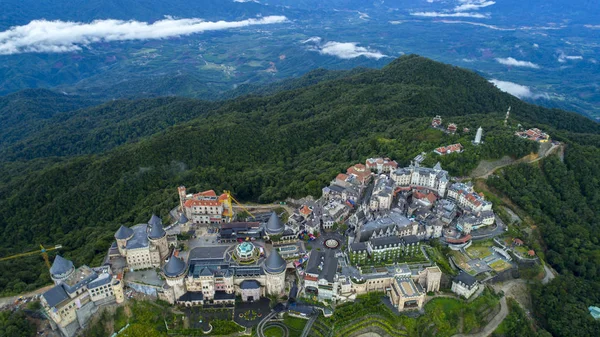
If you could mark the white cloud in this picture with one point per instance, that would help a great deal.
(451, 15)
(343, 50)
(243, 1)
(514, 89)
(314, 39)
(535, 45)
(562, 57)
(509, 61)
(592, 26)
(42, 36)
(348, 50)
(473, 6)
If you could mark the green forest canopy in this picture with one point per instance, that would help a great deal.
(78, 185)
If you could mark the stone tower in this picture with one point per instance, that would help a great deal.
(117, 287)
(122, 236)
(274, 267)
(174, 271)
(158, 236)
(182, 194)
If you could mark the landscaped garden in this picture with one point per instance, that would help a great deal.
(480, 250)
(500, 265)
(443, 317)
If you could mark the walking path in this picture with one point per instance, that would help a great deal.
(500, 316)
(493, 324)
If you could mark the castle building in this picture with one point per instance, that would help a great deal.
(464, 285)
(209, 279)
(421, 178)
(382, 195)
(77, 294)
(143, 245)
(204, 207)
(466, 198)
(381, 165)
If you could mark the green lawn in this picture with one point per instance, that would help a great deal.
(479, 252)
(500, 265)
(273, 331)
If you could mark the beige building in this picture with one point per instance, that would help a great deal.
(143, 246)
(465, 285)
(422, 178)
(77, 294)
(204, 207)
(208, 279)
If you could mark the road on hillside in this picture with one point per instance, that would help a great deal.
(500, 316)
(10, 300)
(546, 154)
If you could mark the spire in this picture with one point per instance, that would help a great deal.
(123, 233)
(274, 225)
(154, 220)
(275, 264)
(175, 267)
(156, 231)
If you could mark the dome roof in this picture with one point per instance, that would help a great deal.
(123, 233)
(175, 267)
(274, 225)
(183, 219)
(156, 231)
(275, 264)
(61, 266)
(154, 220)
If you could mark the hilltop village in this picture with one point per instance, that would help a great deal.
(370, 231)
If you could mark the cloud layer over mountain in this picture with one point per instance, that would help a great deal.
(514, 89)
(42, 36)
(343, 50)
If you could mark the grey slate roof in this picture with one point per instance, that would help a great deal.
(323, 264)
(191, 296)
(101, 280)
(358, 246)
(249, 284)
(123, 233)
(175, 267)
(55, 295)
(386, 240)
(156, 231)
(274, 225)
(140, 238)
(183, 219)
(275, 264)
(410, 239)
(221, 295)
(60, 266)
(465, 278)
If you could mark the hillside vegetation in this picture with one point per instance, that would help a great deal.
(263, 148)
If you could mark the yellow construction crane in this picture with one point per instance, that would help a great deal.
(230, 208)
(42, 251)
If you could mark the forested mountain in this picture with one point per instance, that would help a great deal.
(23, 113)
(290, 143)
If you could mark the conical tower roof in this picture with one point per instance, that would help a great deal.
(156, 231)
(123, 233)
(175, 267)
(61, 266)
(275, 264)
(274, 225)
(154, 220)
(183, 219)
